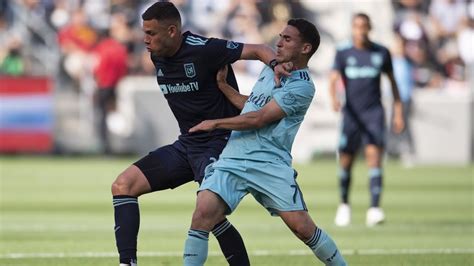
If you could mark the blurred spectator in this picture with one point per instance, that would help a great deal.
(111, 67)
(417, 48)
(465, 41)
(402, 144)
(76, 40)
(13, 62)
(448, 17)
(242, 25)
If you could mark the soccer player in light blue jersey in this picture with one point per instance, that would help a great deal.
(257, 157)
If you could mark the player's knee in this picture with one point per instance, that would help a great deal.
(122, 185)
(203, 218)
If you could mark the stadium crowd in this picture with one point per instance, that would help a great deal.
(88, 46)
(436, 34)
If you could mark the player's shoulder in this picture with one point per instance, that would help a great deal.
(192, 39)
(344, 45)
(378, 47)
(300, 77)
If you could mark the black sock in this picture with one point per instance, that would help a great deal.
(127, 222)
(344, 184)
(375, 175)
(231, 244)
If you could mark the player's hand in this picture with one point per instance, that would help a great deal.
(221, 76)
(206, 125)
(282, 70)
(398, 124)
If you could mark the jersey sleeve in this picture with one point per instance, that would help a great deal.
(219, 52)
(294, 97)
(387, 66)
(338, 63)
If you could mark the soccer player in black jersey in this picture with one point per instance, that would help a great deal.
(360, 64)
(186, 66)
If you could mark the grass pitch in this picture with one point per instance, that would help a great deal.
(58, 211)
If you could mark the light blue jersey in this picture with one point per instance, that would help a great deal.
(273, 142)
(259, 161)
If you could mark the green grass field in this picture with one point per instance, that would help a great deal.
(58, 211)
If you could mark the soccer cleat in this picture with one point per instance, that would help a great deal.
(375, 216)
(343, 215)
(132, 263)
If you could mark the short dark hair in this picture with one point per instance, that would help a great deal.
(308, 31)
(162, 11)
(363, 16)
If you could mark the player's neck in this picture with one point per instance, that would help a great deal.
(299, 64)
(179, 43)
(361, 44)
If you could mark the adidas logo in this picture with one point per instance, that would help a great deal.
(160, 73)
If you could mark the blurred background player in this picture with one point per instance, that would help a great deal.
(359, 64)
(257, 158)
(186, 66)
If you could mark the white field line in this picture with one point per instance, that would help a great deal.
(297, 252)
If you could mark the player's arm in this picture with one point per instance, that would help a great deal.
(271, 112)
(334, 77)
(398, 122)
(237, 99)
(266, 55)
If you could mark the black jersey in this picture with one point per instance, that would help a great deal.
(361, 70)
(188, 81)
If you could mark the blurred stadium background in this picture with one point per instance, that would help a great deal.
(55, 206)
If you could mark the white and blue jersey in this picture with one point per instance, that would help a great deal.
(258, 161)
(274, 141)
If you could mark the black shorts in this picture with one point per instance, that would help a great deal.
(366, 127)
(181, 162)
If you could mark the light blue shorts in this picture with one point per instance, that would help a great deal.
(272, 185)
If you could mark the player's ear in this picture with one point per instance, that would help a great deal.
(172, 30)
(306, 49)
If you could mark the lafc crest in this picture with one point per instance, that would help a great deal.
(190, 70)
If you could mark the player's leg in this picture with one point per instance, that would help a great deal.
(161, 169)
(130, 184)
(229, 239)
(209, 210)
(220, 193)
(348, 146)
(374, 138)
(373, 155)
(322, 245)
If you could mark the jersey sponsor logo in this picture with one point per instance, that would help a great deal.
(259, 100)
(354, 72)
(232, 45)
(193, 40)
(289, 98)
(179, 87)
(351, 61)
(159, 73)
(189, 70)
(376, 59)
